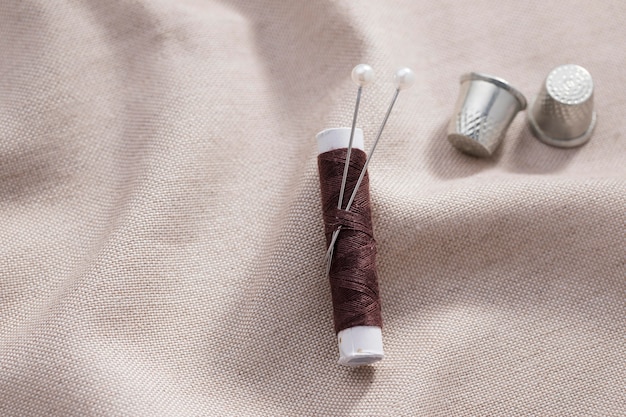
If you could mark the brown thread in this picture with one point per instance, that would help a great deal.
(353, 278)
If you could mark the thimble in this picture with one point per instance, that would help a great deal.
(562, 114)
(484, 110)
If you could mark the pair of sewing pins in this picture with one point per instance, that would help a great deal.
(363, 75)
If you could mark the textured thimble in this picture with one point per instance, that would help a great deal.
(484, 110)
(563, 114)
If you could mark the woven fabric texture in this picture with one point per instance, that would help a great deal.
(161, 235)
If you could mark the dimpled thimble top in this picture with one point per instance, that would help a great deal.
(570, 84)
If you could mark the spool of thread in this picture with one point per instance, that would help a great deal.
(353, 278)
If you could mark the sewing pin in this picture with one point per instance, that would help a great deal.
(362, 75)
(404, 78)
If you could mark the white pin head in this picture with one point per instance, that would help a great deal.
(404, 78)
(362, 75)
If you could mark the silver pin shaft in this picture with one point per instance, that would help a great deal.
(330, 251)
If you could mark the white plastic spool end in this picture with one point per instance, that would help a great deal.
(360, 345)
(337, 138)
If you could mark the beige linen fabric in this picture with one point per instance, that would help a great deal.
(161, 231)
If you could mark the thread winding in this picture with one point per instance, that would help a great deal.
(353, 278)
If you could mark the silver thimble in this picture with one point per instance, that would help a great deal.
(484, 110)
(562, 114)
